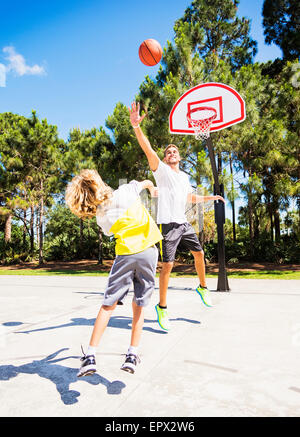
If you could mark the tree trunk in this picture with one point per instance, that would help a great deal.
(256, 225)
(7, 230)
(24, 229)
(271, 225)
(41, 220)
(277, 225)
(250, 212)
(37, 213)
(233, 221)
(219, 158)
(31, 230)
(232, 202)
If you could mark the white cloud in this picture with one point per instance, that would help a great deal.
(2, 75)
(17, 64)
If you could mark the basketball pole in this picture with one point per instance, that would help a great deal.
(219, 220)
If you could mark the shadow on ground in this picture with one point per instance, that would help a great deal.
(61, 376)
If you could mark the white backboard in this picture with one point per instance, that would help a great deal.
(228, 103)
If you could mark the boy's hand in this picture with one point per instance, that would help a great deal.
(154, 191)
(219, 198)
(135, 118)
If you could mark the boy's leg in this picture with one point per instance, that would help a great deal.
(132, 358)
(144, 283)
(137, 324)
(200, 267)
(172, 233)
(161, 307)
(119, 281)
(202, 290)
(101, 323)
(190, 241)
(164, 282)
(88, 365)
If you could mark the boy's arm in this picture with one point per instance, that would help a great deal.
(149, 185)
(135, 120)
(195, 198)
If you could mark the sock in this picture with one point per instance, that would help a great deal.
(163, 308)
(91, 350)
(132, 350)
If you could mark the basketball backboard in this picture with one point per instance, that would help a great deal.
(225, 100)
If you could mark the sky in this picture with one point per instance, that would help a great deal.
(73, 61)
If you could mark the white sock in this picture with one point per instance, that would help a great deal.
(132, 350)
(91, 350)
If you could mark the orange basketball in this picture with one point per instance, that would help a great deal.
(150, 52)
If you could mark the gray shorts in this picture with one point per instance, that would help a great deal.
(176, 234)
(138, 269)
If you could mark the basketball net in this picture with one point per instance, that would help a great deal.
(201, 120)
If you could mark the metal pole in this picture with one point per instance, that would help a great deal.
(220, 221)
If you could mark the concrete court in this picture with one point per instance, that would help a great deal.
(239, 358)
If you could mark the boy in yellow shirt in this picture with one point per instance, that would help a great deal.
(122, 214)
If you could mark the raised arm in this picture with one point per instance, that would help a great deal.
(135, 120)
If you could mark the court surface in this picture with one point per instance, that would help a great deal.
(239, 358)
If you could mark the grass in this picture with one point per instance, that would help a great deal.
(259, 274)
(54, 272)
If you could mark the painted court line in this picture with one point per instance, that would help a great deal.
(227, 369)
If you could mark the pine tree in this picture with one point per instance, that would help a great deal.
(281, 21)
(215, 29)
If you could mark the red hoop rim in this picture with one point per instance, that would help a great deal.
(202, 108)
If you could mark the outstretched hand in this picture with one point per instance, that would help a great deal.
(135, 117)
(219, 198)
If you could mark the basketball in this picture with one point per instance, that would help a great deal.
(150, 52)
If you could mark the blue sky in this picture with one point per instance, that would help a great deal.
(72, 61)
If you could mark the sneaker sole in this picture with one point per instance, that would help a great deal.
(128, 369)
(88, 372)
(164, 329)
(198, 292)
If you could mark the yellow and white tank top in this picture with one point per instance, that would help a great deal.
(128, 220)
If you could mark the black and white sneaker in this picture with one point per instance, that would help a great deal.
(88, 366)
(130, 363)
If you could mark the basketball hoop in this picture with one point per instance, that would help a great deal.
(201, 122)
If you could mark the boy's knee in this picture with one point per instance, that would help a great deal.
(199, 255)
(109, 307)
(167, 266)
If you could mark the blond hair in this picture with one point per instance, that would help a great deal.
(85, 192)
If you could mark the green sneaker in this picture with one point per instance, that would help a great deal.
(204, 293)
(162, 318)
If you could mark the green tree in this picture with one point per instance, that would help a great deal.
(32, 166)
(46, 166)
(215, 29)
(281, 21)
(14, 168)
